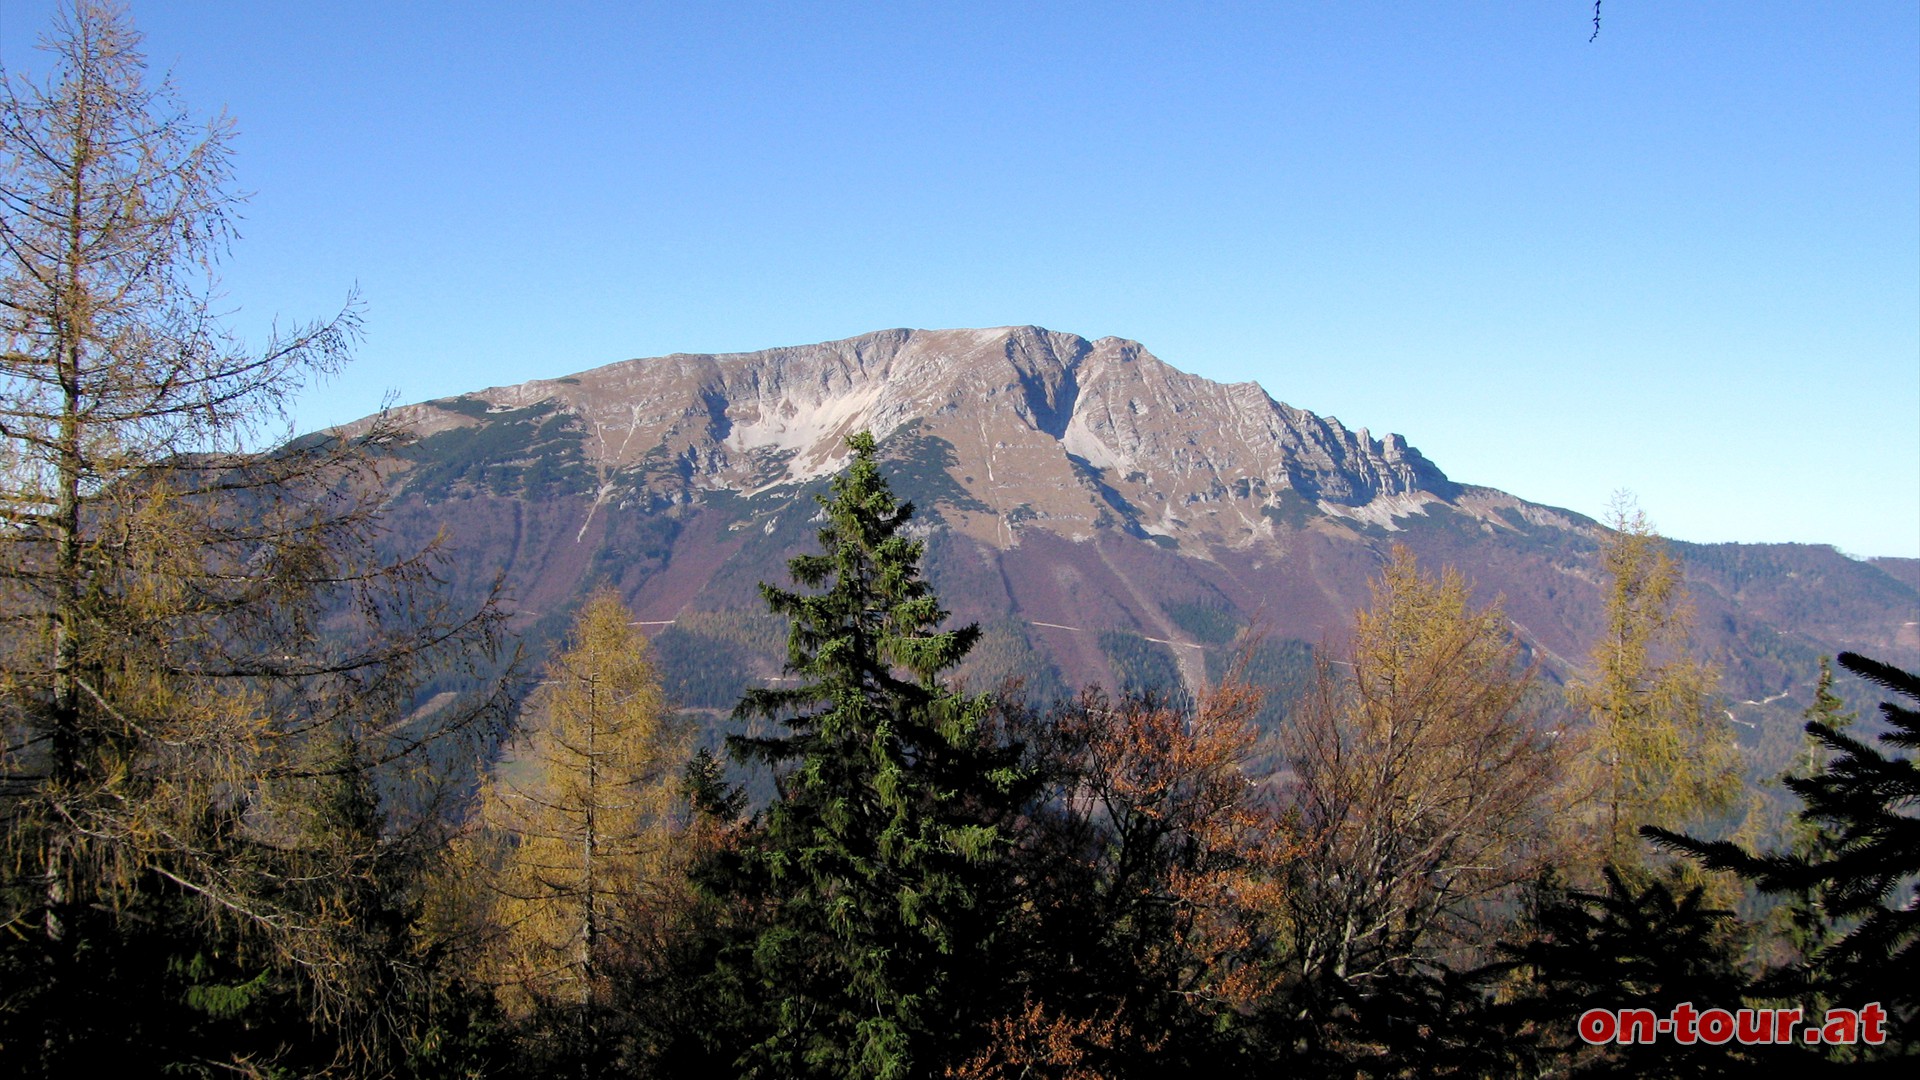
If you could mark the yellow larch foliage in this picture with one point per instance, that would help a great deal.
(1658, 751)
(1421, 782)
(573, 846)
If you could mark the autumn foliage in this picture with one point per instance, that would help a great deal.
(571, 855)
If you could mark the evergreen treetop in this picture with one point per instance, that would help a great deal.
(1860, 804)
(873, 858)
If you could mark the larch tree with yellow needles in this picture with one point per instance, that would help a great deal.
(196, 636)
(576, 821)
(1658, 751)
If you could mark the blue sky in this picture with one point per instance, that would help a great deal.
(1682, 259)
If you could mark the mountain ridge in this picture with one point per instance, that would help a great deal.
(1105, 516)
(1107, 406)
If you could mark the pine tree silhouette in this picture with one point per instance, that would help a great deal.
(1861, 801)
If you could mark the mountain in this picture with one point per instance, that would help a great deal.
(1105, 516)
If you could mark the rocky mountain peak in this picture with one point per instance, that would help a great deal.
(1035, 428)
(1104, 515)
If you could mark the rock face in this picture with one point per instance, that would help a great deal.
(1105, 516)
(1056, 432)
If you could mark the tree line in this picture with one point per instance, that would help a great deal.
(238, 842)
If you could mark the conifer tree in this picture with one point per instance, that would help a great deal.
(1647, 945)
(186, 625)
(873, 862)
(1811, 926)
(1657, 750)
(1862, 862)
(575, 824)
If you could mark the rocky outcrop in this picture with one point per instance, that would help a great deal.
(1049, 430)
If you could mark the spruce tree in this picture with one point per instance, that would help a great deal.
(1859, 804)
(1810, 924)
(872, 866)
(1646, 942)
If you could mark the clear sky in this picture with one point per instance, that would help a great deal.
(1682, 259)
